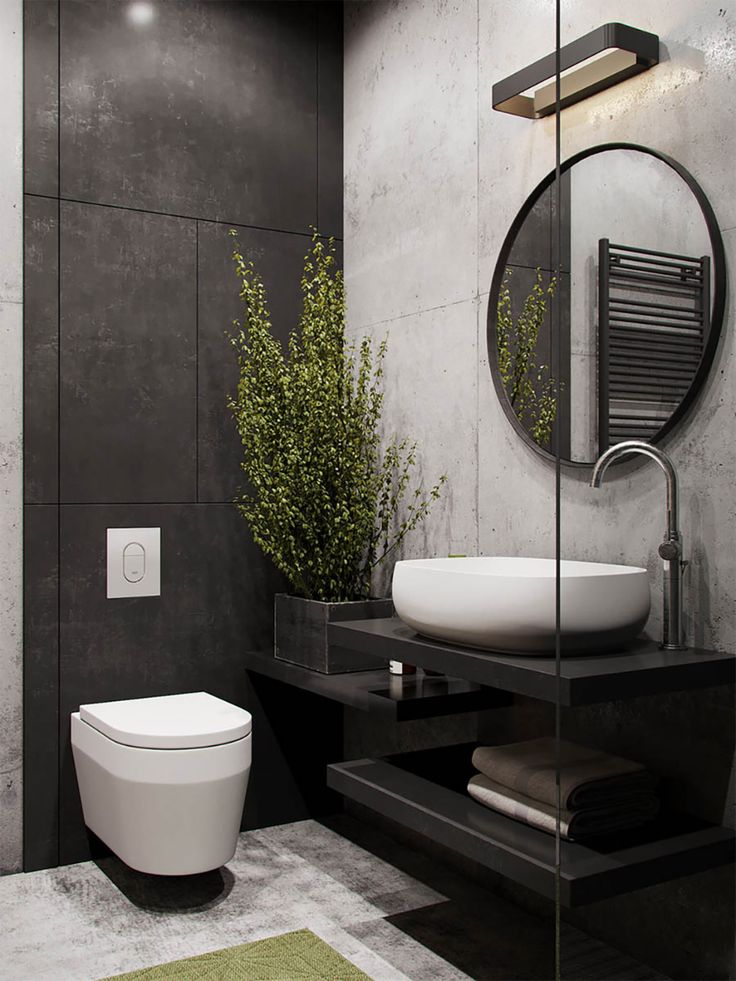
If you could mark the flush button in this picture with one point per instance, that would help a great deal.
(134, 562)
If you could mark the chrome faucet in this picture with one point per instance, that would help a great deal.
(670, 551)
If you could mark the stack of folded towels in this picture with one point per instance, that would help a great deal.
(599, 793)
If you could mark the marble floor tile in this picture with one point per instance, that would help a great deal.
(90, 920)
(87, 921)
(387, 887)
(404, 953)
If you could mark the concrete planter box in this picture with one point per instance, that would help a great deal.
(300, 632)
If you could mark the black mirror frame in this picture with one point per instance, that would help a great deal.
(718, 306)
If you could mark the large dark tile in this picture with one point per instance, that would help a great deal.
(208, 111)
(41, 687)
(330, 166)
(565, 229)
(296, 734)
(279, 257)
(40, 351)
(532, 245)
(535, 243)
(216, 601)
(128, 356)
(40, 96)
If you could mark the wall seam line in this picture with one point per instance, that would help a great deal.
(477, 278)
(58, 432)
(196, 361)
(23, 716)
(122, 504)
(316, 102)
(413, 313)
(174, 214)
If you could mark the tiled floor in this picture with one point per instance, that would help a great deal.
(90, 920)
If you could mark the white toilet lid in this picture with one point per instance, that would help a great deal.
(169, 721)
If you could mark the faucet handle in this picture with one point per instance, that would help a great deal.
(669, 551)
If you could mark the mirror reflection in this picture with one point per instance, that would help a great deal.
(633, 293)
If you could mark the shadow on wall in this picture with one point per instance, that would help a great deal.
(699, 587)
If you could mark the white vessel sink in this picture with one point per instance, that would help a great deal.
(508, 604)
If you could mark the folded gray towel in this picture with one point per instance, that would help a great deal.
(588, 777)
(574, 825)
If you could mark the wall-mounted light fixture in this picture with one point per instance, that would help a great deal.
(594, 62)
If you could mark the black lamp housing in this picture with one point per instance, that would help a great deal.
(628, 51)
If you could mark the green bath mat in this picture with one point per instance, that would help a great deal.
(297, 956)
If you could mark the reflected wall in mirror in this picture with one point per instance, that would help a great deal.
(639, 289)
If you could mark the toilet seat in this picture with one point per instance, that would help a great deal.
(159, 766)
(188, 721)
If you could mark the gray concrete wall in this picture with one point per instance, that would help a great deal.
(11, 464)
(433, 178)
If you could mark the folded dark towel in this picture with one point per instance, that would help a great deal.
(588, 777)
(574, 825)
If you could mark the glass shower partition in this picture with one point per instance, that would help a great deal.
(644, 710)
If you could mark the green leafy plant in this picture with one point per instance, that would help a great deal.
(530, 387)
(325, 501)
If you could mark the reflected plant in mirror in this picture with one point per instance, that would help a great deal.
(531, 389)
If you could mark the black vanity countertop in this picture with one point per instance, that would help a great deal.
(642, 669)
(398, 697)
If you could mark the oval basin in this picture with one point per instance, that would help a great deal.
(507, 604)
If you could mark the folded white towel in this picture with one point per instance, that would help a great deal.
(588, 777)
(574, 825)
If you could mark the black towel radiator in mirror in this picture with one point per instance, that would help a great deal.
(653, 321)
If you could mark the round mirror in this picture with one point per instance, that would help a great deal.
(638, 290)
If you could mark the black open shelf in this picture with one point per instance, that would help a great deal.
(425, 791)
(642, 669)
(399, 697)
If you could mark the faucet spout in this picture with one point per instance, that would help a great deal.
(670, 551)
(615, 453)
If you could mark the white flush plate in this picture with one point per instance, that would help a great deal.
(133, 562)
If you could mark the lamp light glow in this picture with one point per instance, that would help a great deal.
(140, 13)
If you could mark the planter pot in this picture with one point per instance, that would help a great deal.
(300, 632)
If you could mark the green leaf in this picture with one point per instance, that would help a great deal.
(535, 404)
(324, 497)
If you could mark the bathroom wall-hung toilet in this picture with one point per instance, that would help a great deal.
(163, 780)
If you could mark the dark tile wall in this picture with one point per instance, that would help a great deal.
(208, 112)
(128, 344)
(216, 597)
(41, 351)
(217, 114)
(41, 701)
(41, 96)
(329, 131)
